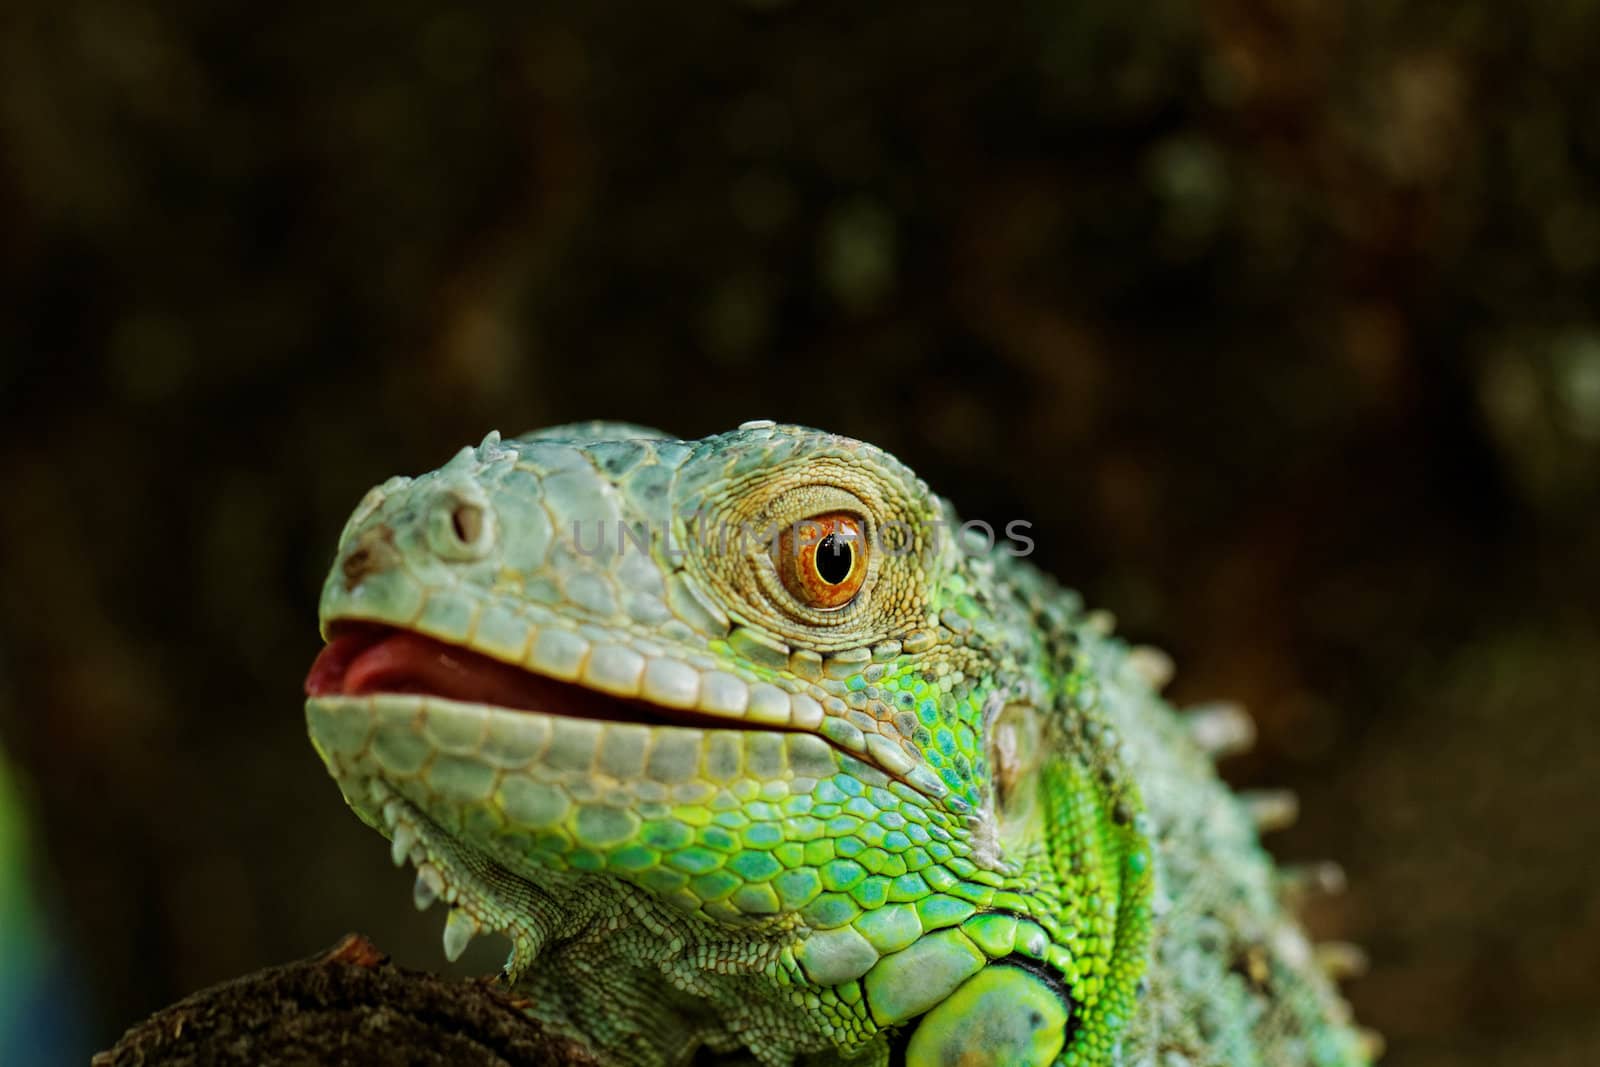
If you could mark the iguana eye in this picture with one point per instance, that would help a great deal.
(822, 560)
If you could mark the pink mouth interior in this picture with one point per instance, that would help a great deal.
(362, 659)
(365, 661)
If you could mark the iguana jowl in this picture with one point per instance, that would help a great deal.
(746, 751)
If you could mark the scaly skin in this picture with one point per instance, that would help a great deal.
(949, 822)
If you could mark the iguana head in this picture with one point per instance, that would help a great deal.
(751, 705)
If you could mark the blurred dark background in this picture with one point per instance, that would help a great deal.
(1279, 320)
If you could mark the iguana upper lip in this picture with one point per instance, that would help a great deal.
(365, 658)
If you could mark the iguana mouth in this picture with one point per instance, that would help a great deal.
(365, 659)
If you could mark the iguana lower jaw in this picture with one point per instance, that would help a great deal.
(395, 691)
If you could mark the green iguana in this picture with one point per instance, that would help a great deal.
(751, 750)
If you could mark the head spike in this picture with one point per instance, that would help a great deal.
(1271, 809)
(491, 449)
(1372, 1043)
(1300, 882)
(1151, 664)
(1221, 727)
(459, 930)
(400, 844)
(1342, 959)
(1101, 622)
(465, 461)
(427, 888)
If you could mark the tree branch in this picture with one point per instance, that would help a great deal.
(348, 1006)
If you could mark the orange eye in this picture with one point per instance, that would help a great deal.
(823, 560)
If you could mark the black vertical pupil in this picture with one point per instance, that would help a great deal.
(836, 557)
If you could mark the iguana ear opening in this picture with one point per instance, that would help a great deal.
(1016, 750)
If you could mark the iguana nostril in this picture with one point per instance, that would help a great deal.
(467, 522)
(459, 528)
(374, 552)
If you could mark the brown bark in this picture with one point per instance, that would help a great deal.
(348, 1006)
